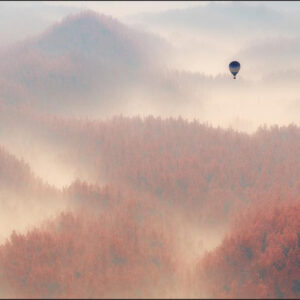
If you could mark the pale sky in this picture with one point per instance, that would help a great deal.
(125, 8)
(262, 35)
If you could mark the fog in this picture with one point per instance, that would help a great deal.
(191, 81)
(197, 42)
(261, 36)
(101, 106)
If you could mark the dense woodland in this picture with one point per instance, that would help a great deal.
(153, 206)
(259, 259)
(160, 174)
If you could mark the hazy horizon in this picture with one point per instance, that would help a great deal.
(200, 47)
(133, 165)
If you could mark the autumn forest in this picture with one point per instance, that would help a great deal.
(103, 196)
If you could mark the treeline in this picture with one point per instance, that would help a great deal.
(208, 171)
(126, 251)
(125, 239)
(16, 175)
(260, 258)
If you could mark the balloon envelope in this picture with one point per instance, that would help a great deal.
(234, 67)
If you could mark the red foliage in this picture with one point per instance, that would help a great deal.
(124, 252)
(210, 173)
(260, 258)
(156, 168)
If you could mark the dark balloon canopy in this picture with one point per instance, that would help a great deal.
(234, 68)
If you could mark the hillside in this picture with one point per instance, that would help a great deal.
(74, 64)
(180, 161)
(25, 199)
(193, 179)
(126, 174)
(259, 258)
(193, 165)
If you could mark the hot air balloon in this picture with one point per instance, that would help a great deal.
(234, 68)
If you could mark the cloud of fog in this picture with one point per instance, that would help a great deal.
(188, 77)
(21, 212)
(262, 36)
(202, 40)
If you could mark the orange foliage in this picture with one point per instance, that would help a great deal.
(210, 173)
(124, 252)
(260, 258)
(156, 169)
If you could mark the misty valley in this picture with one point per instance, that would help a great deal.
(127, 170)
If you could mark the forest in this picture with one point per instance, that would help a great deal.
(122, 176)
(171, 189)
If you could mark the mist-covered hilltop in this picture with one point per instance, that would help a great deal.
(85, 61)
(152, 177)
(91, 65)
(133, 165)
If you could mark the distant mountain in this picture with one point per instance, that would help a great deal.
(99, 38)
(80, 58)
(90, 65)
